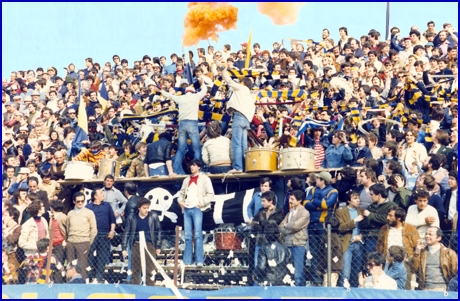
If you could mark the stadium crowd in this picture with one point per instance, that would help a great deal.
(386, 112)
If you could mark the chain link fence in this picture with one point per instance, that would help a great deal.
(234, 257)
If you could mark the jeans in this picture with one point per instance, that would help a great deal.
(256, 253)
(240, 128)
(159, 171)
(315, 234)
(371, 244)
(219, 169)
(193, 218)
(186, 128)
(352, 263)
(101, 245)
(298, 256)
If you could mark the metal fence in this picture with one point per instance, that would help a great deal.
(231, 258)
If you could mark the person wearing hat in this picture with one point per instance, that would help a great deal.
(320, 202)
(188, 124)
(146, 78)
(265, 272)
(21, 181)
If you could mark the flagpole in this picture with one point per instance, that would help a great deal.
(387, 31)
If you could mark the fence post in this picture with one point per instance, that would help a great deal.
(176, 255)
(329, 255)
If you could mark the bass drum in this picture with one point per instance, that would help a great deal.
(76, 170)
(109, 167)
(261, 159)
(297, 158)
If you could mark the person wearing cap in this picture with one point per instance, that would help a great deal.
(188, 124)
(242, 105)
(21, 181)
(320, 202)
(146, 78)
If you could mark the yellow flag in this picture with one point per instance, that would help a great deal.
(82, 118)
(248, 51)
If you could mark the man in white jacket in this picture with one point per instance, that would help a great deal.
(242, 105)
(188, 123)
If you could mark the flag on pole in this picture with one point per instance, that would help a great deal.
(387, 29)
(189, 69)
(248, 51)
(82, 118)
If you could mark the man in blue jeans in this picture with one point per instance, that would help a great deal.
(320, 202)
(188, 122)
(242, 105)
(195, 198)
(294, 228)
(352, 239)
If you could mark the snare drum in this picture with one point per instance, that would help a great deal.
(109, 167)
(297, 158)
(227, 240)
(261, 159)
(76, 170)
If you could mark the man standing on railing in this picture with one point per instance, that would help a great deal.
(145, 221)
(105, 221)
(242, 105)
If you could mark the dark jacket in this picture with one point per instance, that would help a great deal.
(377, 217)
(158, 152)
(402, 198)
(77, 281)
(261, 217)
(130, 231)
(131, 207)
(365, 152)
(274, 275)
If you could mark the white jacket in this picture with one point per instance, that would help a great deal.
(217, 151)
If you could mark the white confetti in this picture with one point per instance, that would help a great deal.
(253, 236)
(74, 262)
(88, 269)
(242, 282)
(204, 232)
(106, 282)
(223, 271)
(243, 245)
(291, 268)
(287, 279)
(325, 245)
(413, 284)
(215, 275)
(236, 262)
(232, 282)
(63, 273)
(95, 253)
(265, 283)
(87, 280)
(272, 263)
(245, 278)
(335, 259)
(230, 254)
(273, 246)
(211, 280)
(59, 266)
(309, 256)
(212, 232)
(129, 272)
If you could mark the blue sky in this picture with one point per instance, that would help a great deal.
(56, 34)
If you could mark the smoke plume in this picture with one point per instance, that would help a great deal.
(205, 19)
(281, 13)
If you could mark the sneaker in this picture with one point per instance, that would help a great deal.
(235, 171)
(200, 265)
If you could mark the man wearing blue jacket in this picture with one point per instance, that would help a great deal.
(320, 202)
(338, 153)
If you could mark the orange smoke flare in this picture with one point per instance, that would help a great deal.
(281, 13)
(205, 19)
